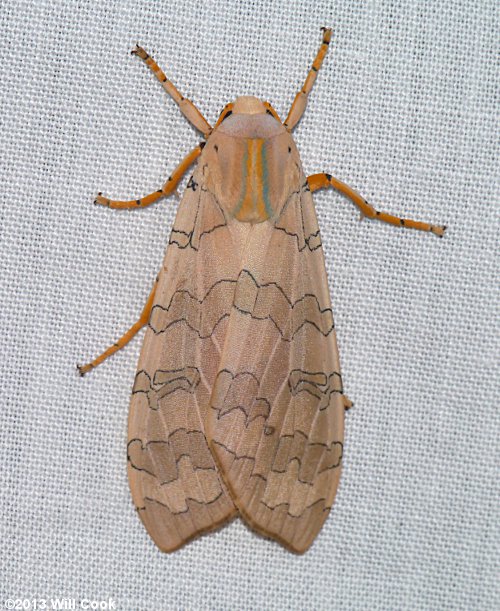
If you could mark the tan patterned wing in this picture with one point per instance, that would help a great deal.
(276, 421)
(174, 481)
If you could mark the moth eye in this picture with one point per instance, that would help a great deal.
(216, 148)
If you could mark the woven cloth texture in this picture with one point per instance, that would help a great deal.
(405, 111)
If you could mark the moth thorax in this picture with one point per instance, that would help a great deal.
(252, 167)
(251, 176)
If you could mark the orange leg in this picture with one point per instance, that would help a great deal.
(124, 340)
(188, 109)
(347, 403)
(168, 188)
(322, 181)
(300, 102)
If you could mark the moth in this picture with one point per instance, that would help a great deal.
(238, 405)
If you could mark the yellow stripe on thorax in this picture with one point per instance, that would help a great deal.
(253, 205)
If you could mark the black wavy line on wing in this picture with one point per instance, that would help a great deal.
(193, 297)
(306, 240)
(176, 513)
(297, 458)
(280, 472)
(192, 184)
(177, 459)
(154, 384)
(316, 234)
(197, 331)
(268, 317)
(159, 388)
(286, 435)
(190, 234)
(242, 456)
(322, 500)
(327, 392)
(292, 337)
(246, 410)
(312, 443)
(248, 420)
(174, 479)
(239, 374)
(180, 428)
(142, 371)
(276, 285)
(257, 284)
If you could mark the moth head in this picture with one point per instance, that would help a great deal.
(247, 105)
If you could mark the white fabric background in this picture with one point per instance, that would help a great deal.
(404, 110)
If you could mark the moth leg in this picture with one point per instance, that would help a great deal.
(322, 181)
(299, 104)
(188, 109)
(168, 188)
(347, 402)
(124, 340)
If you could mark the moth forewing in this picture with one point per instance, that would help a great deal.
(276, 417)
(175, 484)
